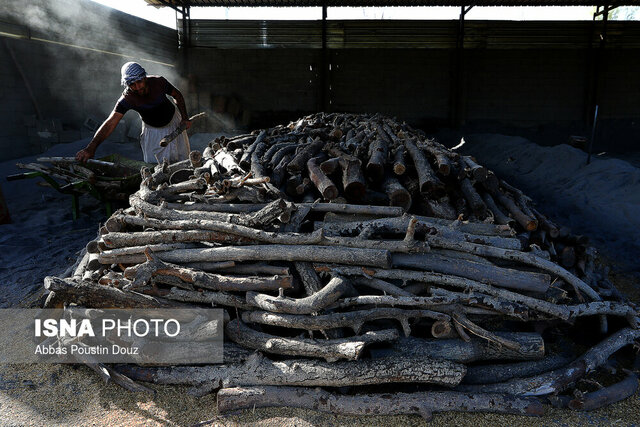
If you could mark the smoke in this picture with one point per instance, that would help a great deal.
(76, 52)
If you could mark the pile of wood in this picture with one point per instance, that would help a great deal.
(104, 180)
(350, 251)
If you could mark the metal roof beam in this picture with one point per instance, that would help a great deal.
(604, 12)
(381, 3)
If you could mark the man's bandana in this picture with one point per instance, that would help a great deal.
(132, 72)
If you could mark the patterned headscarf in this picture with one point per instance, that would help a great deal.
(132, 72)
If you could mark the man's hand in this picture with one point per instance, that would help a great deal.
(186, 124)
(85, 154)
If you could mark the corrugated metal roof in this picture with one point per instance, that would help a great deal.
(363, 34)
(363, 3)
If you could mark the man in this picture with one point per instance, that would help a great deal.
(148, 96)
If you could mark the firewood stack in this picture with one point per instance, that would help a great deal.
(103, 180)
(351, 251)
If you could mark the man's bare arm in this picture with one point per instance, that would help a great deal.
(182, 108)
(103, 132)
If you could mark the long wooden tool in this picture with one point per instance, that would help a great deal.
(173, 135)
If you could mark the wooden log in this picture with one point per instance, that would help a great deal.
(216, 266)
(89, 294)
(429, 183)
(461, 320)
(471, 232)
(312, 253)
(226, 161)
(418, 403)
(245, 160)
(540, 305)
(293, 186)
(547, 225)
(272, 212)
(236, 208)
(174, 167)
(525, 258)
(280, 170)
(54, 172)
(353, 182)
(132, 254)
(111, 376)
(299, 161)
(497, 276)
(330, 166)
(607, 395)
(442, 329)
(154, 211)
(498, 215)
(380, 285)
(209, 298)
(236, 141)
(160, 174)
(144, 238)
(491, 374)
(529, 224)
(312, 284)
(378, 151)
(252, 268)
(449, 304)
(310, 280)
(209, 167)
(478, 299)
(142, 273)
(259, 370)
(560, 379)
(297, 219)
(398, 195)
(440, 208)
(195, 158)
(531, 347)
(241, 181)
(257, 168)
(372, 197)
(268, 155)
(330, 293)
(441, 157)
(608, 308)
(81, 267)
(472, 197)
(281, 154)
(475, 171)
(460, 255)
(399, 165)
(353, 319)
(325, 186)
(224, 227)
(522, 199)
(331, 350)
(391, 211)
(74, 161)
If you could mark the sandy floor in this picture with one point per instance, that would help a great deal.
(73, 395)
(43, 241)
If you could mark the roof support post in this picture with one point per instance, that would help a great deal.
(185, 42)
(598, 62)
(324, 104)
(457, 80)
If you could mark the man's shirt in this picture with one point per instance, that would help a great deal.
(155, 108)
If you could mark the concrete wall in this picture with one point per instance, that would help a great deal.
(70, 53)
(532, 79)
(535, 83)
